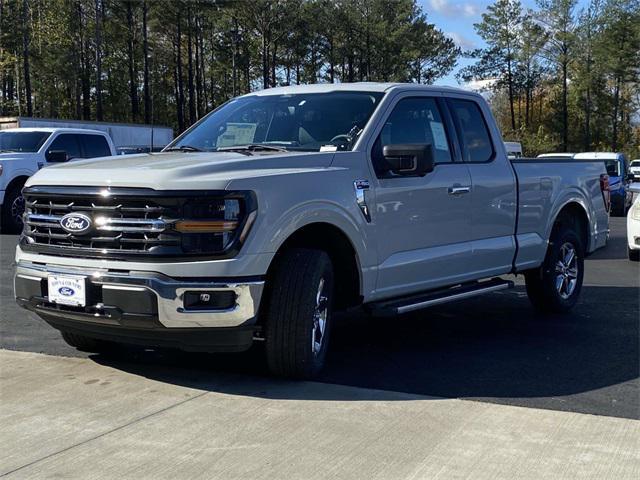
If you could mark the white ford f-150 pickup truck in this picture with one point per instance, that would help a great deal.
(24, 151)
(284, 205)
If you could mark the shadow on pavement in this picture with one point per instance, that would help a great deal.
(491, 348)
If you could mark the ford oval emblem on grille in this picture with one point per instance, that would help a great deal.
(75, 223)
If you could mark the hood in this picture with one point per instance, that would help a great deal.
(179, 170)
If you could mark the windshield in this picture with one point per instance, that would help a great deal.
(635, 163)
(22, 141)
(304, 122)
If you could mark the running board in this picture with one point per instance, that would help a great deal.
(387, 308)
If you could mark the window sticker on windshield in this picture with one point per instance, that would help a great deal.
(237, 134)
(329, 148)
(439, 137)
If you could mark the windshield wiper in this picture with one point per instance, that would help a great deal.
(184, 148)
(252, 147)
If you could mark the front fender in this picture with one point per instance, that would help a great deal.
(287, 203)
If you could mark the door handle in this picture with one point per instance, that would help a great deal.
(459, 190)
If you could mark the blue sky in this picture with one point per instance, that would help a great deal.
(456, 18)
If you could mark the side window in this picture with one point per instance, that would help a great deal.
(414, 120)
(95, 146)
(68, 143)
(474, 134)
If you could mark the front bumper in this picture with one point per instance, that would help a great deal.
(133, 299)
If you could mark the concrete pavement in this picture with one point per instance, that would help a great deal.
(75, 418)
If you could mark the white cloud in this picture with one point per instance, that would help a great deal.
(450, 9)
(460, 40)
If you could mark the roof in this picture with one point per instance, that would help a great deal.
(559, 154)
(597, 155)
(83, 122)
(53, 130)
(357, 87)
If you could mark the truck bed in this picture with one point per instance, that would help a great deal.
(545, 186)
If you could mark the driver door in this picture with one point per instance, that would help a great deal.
(65, 142)
(423, 223)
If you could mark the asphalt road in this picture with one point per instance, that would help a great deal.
(491, 349)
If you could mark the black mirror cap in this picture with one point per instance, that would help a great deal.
(57, 156)
(410, 159)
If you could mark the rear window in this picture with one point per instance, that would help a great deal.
(476, 140)
(95, 146)
(22, 141)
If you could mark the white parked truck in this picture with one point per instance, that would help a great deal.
(284, 205)
(24, 151)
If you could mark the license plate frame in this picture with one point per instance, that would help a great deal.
(69, 290)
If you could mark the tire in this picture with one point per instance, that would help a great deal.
(634, 255)
(299, 299)
(85, 344)
(555, 286)
(12, 210)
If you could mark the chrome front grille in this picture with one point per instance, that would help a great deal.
(121, 223)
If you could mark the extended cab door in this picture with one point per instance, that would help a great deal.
(493, 198)
(422, 223)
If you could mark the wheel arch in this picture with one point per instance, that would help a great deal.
(344, 257)
(17, 180)
(577, 211)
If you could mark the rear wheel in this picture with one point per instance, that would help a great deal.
(298, 313)
(556, 285)
(634, 255)
(12, 210)
(85, 344)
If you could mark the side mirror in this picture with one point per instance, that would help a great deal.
(411, 159)
(55, 156)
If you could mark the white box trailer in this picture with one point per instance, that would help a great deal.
(122, 134)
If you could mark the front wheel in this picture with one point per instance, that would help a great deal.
(12, 210)
(555, 286)
(298, 313)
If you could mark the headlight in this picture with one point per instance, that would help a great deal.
(215, 225)
(635, 211)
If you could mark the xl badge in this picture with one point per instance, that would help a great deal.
(75, 223)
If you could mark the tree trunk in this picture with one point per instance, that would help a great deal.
(510, 85)
(180, 96)
(145, 54)
(190, 84)
(98, 40)
(25, 54)
(565, 111)
(133, 84)
(84, 65)
(274, 80)
(265, 62)
(616, 109)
